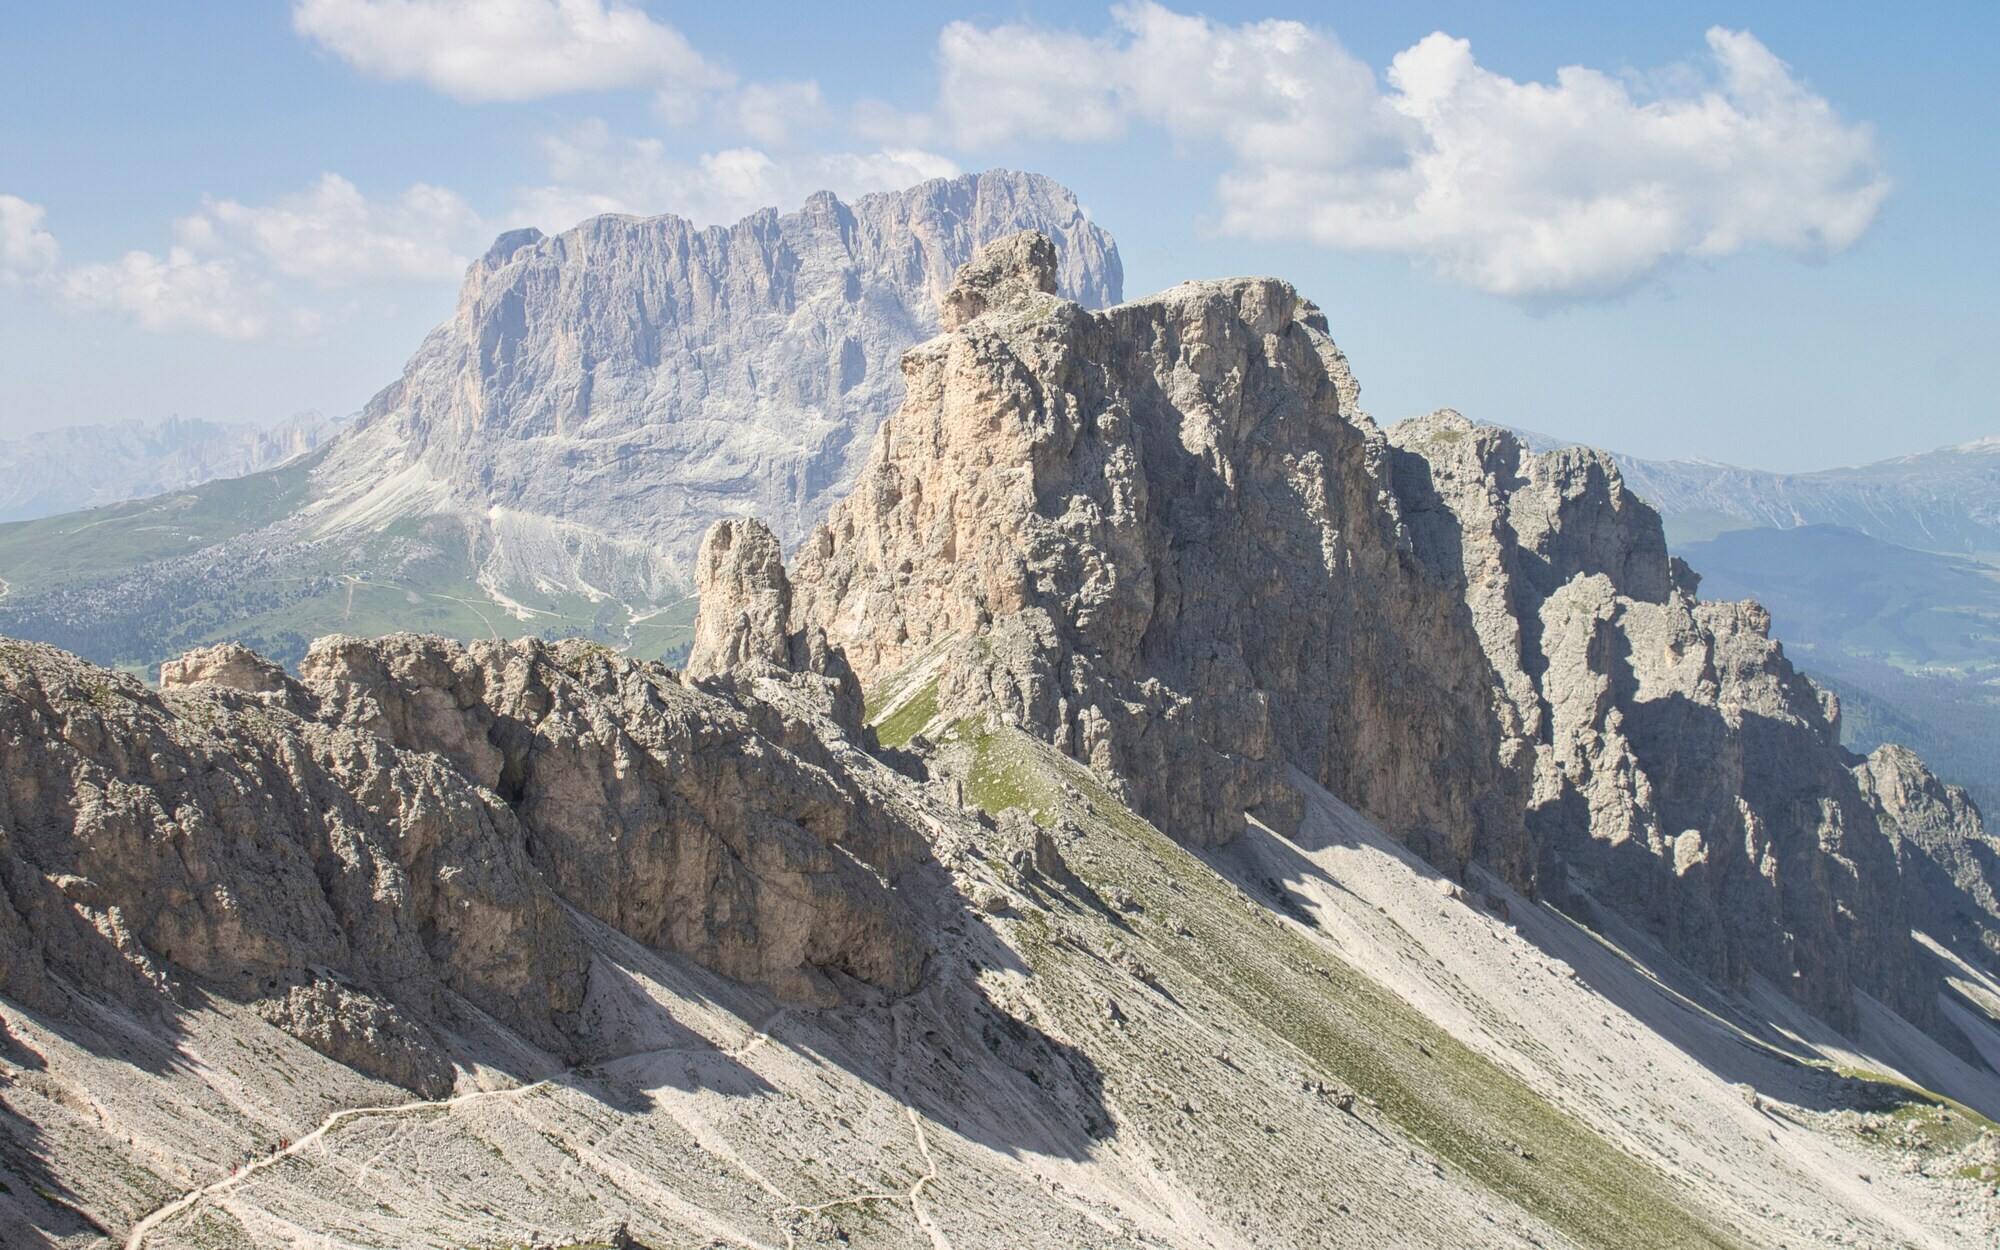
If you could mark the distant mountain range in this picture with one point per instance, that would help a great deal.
(1946, 500)
(85, 466)
(1883, 579)
(552, 454)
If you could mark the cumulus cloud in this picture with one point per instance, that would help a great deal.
(772, 114)
(25, 248)
(241, 271)
(177, 292)
(594, 170)
(1541, 192)
(334, 236)
(481, 50)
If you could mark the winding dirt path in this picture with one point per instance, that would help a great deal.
(136, 1238)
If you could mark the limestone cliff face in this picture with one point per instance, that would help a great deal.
(1682, 769)
(146, 839)
(380, 853)
(1159, 535)
(658, 809)
(605, 394)
(1951, 865)
(1165, 537)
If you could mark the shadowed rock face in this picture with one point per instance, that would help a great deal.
(1165, 538)
(1951, 865)
(1681, 766)
(372, 853)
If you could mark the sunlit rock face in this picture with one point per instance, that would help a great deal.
(1165, 537)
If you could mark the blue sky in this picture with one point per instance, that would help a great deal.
(1769, 244)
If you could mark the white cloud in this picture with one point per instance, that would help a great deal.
(1541, 192)
(772, 113)
(334, 236)
(480, 50)
(241, 271)
(178, 292)
(593, 170)
(25, 248)
(1019, 80)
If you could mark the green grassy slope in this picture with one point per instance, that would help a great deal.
(77, 548)
(1223, 956)
(133, 584)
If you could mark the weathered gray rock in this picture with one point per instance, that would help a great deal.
(1950, 864)
(743, 633)
(746, 603)
(659, 809)
(1669, 740)
(365, 855)
(1158, 535)
(146, 839)
(1165, 538)
(227, 664)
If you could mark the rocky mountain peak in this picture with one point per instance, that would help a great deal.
(1164, 538)
(1146, 533)
(1005, 276)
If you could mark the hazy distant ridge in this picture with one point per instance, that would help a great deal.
(84, 466)
(1947, 500)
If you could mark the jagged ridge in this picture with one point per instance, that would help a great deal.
(1165, 538)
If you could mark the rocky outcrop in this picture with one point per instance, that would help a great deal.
(746, 603)
(1158, 536)
(1165, 538)
(230, 665)
(743, 632)
(1950, 864)
(1682, 769)
(659, 809)
(380, 857)
(204, 837)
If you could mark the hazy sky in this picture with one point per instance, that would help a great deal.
(1758, 232)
